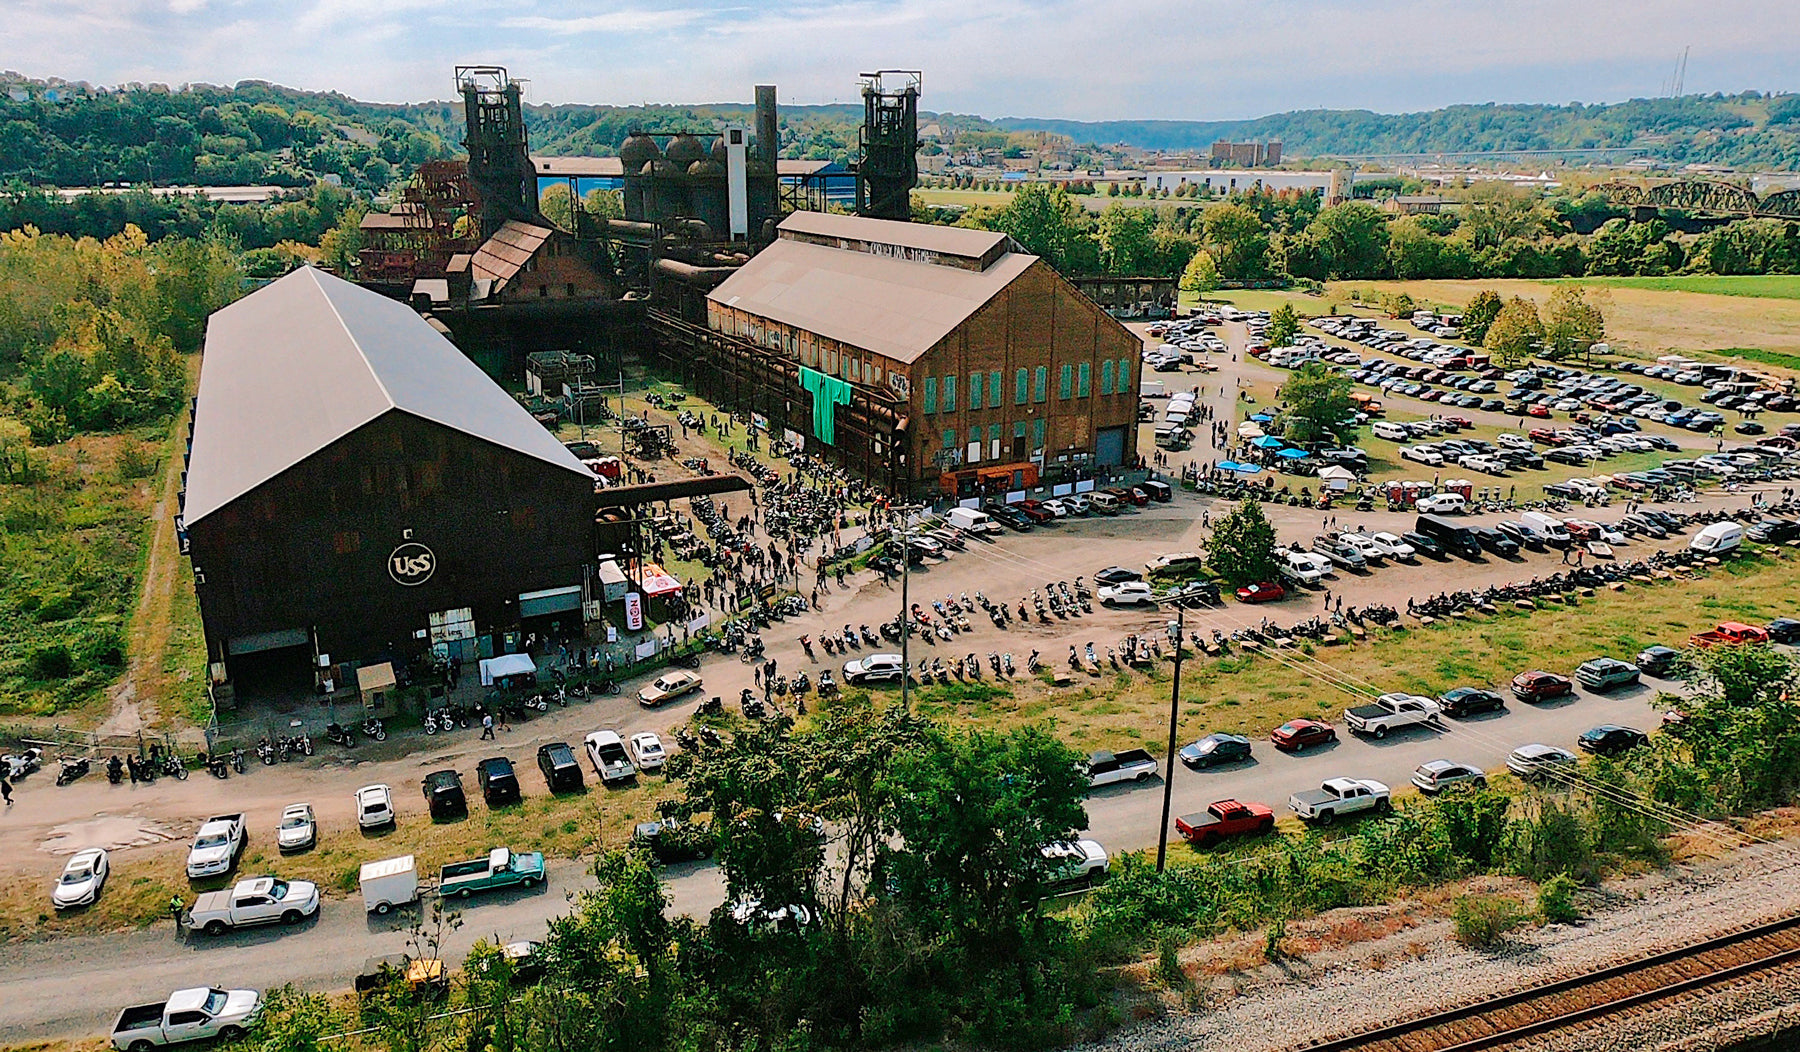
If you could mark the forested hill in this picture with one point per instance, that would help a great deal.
(1743, 130)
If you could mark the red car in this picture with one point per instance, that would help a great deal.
(1130, 495)
(1034, 510)
(1547, 436)
(1730, 634)
(1261, 592)
(1225, 818)
(1542, 412)
(1538, 685)
(1295, 735)
(1459, 421)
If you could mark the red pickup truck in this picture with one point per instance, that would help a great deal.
(1729, 634)
(1225, 818)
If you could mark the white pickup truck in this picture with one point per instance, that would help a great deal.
(1132, 765)
(216, 846)
(1391, 712)
(188, 1015)
(259, 900)
(1339, 796)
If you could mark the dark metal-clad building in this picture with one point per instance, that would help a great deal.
(358, 488)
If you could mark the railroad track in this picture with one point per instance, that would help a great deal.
(1566, 1003)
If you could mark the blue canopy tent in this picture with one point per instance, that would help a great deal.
(1294, 454)
(1263, 417)
(1267, 442)
(1242, 469)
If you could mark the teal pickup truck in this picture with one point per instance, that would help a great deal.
(502, 868)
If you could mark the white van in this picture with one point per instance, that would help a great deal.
(969, 520)
(1390, 430)
(1717, 539)
(1551, 530)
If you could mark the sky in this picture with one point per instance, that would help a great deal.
(1086, 60)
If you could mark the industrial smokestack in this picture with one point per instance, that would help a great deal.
(737, 184)
(768, 141)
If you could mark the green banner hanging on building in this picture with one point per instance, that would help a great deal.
(828, 393)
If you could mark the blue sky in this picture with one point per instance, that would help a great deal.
(1092, 60)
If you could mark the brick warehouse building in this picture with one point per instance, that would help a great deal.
(358, 488)
(950, 361)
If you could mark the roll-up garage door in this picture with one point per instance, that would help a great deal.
(550, 601)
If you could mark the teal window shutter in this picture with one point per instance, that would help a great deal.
(1018, 429)
(1038, 383)
(1085, 382)
(1124, 378)
(995, 392)
(1065, 384)
(1020, 383)
(949, 394)
(1106, 375)
(993, 432)
(974, 390)
(949, 438)
(931, 394)
(1037, 434)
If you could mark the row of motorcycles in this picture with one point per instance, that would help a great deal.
(156, 763)
(338, 734)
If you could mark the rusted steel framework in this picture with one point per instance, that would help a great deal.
(425, 235)
(1704, 195)
(871, 435)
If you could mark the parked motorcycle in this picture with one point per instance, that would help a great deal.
(73, 767)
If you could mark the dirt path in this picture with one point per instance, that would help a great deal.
(134, 698)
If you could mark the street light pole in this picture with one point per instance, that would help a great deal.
(1162, 831)
(905, 617)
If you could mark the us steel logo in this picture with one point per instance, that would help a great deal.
(411, 564)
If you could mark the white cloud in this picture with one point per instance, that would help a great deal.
(1092, 59)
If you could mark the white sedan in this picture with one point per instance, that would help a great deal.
(1422, 454)
(1055, 507)
(1126, 593)
(297, 830)
(1396, 547)
(81, 880)
(375, 806)
(647, 751)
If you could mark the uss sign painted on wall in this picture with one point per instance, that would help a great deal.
(412, 564)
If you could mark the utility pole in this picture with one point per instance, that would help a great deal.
(1162, 832)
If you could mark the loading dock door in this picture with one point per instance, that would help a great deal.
(1109, 446)
(550, 601)
(286, 637)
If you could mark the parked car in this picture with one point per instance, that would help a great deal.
(1339, 796)
(606, 751)
(1116, 575)
(259, 900)
(375, 806)
(669, 686)
(444, 796)
(1106, 768)
(1784, 630)
(82, 878)
(1261, 592)
(1176, 562)
(199, 1014)
(1295, 735)
(297, 830)
(1538, 760)
(1657, 660)
(1225, 818)
(671, 840)
(1729, 633)
(1610, 739)
(217, 846)
(1434, 776)
(1467, 701)
(876, 668)
(1391, 712)
(499, 868)
(1215, 749)
(1604, 673)
(1074, 863)
(1129, 593)
(562, 774)
(647, 751)
(1538, 685)
(1193, 593)
(1423, 545)
(498, 781)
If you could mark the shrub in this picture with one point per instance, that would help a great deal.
(136, 460)
(51, 662)
(1556, 900)
(1483, 920)
(1168, 961)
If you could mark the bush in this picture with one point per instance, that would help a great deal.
(136, 460)
(1556, 900)
(1483, 920)
(51, 662)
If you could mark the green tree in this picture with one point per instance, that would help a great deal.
(603, 204)
(1737, 747)
(1318, 405)
(1351, 240)
(1397, 304)
(1572, 324)
(1238, 240)
(1126, 245)
(1480, 313)
(1516, 332)
(1201, 275)
(1242, 545)
(1043, 220)
(1283, 325)
(558, 205)
(294, 1020)
(1414, 251)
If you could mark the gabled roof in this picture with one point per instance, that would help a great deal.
(308, 359)
(959, 242)
(893, 307)
(502, 256)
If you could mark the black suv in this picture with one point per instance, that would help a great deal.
(562, 772)
(444, 795)
(499, 785)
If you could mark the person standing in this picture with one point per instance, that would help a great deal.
(6, 789)
(175, 913)
(487, 726)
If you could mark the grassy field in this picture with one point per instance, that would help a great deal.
(1772, 286)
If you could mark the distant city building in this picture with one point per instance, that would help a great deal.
(1247, 154)
(1225, 180)
(1414, 204)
